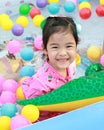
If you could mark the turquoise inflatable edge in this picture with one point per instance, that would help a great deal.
(86, 118)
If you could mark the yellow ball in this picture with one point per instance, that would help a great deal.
(19, 93)
(23, 78)
(50, 1)
(3, 17)
(78, 59)
(31, 112)
(94, 53)
(102, 2)
(22, 20)
(84, 5)
(7, 24)
(5, 123)
(38, 19)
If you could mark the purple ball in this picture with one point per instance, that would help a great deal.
(41, 3)
(17, 30)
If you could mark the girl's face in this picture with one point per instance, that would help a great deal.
(61, 50)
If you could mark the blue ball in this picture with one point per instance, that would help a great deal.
(69, 6)
(27, 53)
(27, 71)
(79, 27)
(8, 110)
(53, 8)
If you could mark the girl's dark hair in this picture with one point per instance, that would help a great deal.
(58, 24)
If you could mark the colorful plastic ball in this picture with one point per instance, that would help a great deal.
(43, 23)
(79, 27)
(7, 24)
(10, 85)
(31, 112)
(102, 60)
(2, 80)
(24, 9)
(74, 1)
(14, 46)
(27, 53)
(53, 8)
(84, 5)
(17, 30)
(8, 110)
(23, 79)
(37, 20)
(79, 1)
(27, 71)
(22, 20)
(85, 13)
(41, 3)
(51, 1)
(19, 93)
(101, 2)
(78, 59)
(100, 10)
(34, 12)
(69, 6)
(18, 121)
(38, 43)
(7, 97)
(94, 53)
(5, 123)
(3, 17)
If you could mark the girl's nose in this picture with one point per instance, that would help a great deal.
(62, 52)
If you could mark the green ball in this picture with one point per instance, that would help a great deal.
(43, 23)
(24, 9)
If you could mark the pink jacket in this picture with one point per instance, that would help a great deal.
(45, 80)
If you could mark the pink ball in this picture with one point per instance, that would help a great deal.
(10, 85)
(18, 121)
(102, 60)
(38, 43)
(7, 97)
(2, 79)
(14, 46)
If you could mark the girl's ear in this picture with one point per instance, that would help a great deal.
(44, 50)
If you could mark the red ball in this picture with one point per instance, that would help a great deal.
(100, 10)
(34, 12)
(85, 13)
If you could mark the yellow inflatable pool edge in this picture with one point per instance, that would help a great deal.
(69, 106)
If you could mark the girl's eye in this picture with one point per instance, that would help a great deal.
(54, 47)
(68, 46)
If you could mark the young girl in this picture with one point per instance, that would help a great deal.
(60, 41)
